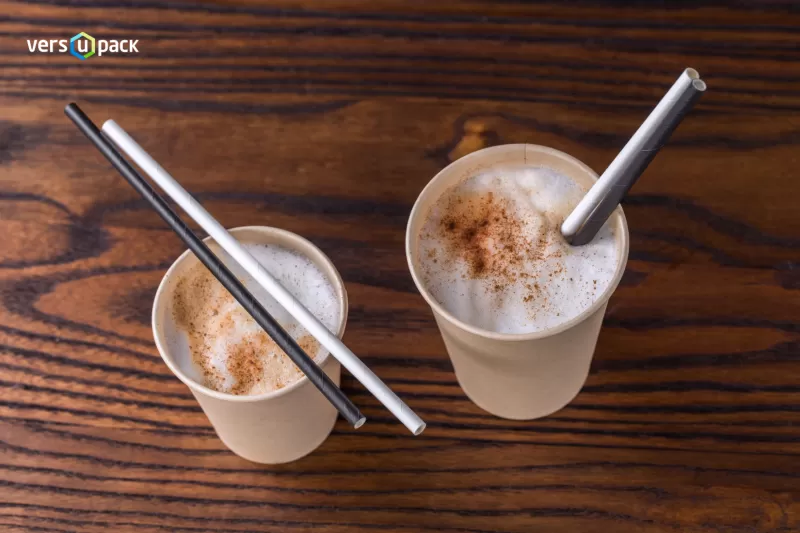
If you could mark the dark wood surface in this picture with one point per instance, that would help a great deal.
(327, 119)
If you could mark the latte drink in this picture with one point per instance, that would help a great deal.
(492, 254)
(519, 309)
(260, 404)
(230, 352)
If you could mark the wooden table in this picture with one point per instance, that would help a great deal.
(327, 119)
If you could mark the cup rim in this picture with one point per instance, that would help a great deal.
(515, 337)
(187, 255)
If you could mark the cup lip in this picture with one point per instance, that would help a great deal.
(516, 337)
(187, 255)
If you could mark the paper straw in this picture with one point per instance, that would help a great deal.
(314, 373)
(593, 210)
(228, 243)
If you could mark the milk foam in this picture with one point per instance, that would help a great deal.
(491, 251)
(232, 353)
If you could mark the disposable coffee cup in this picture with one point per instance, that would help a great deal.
(516, 376)
(275, 427)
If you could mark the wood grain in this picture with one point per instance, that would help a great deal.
(328, 118)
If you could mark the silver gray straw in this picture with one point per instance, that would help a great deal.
(593, 210)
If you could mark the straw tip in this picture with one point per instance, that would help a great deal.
(692, 73)
(417, 432)
(568, 230)
(71, 108)
(360, 422)
(700, 85)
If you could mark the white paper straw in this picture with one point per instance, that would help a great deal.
(228, 243)
(598, 203)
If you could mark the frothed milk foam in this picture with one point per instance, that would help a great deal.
(232, 353)
(491, 252)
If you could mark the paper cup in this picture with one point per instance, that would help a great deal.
(275, 427)
(526, 376)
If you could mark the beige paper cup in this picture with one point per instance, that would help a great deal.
(520, 377)
(275, 427)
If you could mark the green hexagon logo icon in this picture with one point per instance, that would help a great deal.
(83, 46)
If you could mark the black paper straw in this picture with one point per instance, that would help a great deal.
(262, 317)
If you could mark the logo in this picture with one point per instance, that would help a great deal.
(83, 46)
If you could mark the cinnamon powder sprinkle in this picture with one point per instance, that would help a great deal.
(197, 298)
(483, 230)
(245, 364)
(196, 295)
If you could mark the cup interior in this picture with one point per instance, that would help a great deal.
(172, 341)
(514, 155)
